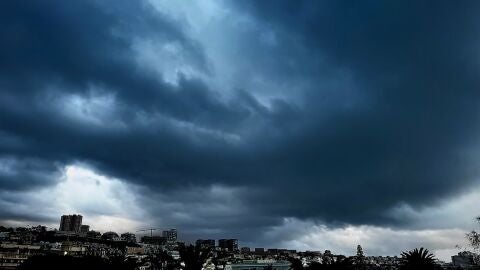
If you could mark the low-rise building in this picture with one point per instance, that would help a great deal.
(245, 250)
(84, 228)
(128, 237)
(135, 250)
(259, 251)
(111, 236)
(11, 260)
(228, 244)
(205, 243)
(464, 259)
(154, 240)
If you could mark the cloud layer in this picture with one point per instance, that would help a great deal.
(229, 117)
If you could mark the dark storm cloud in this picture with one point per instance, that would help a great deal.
(388, 111)
(18, 174)
(409, 140)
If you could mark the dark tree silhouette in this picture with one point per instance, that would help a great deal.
(417, 259)
(120, 262)
(162, 260)
(474, 237)
(341, 262)
(295, 264)
(220, 258)
(315, 266)
(360, 261)
(193, 257)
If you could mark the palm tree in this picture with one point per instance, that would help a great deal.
(418, 259)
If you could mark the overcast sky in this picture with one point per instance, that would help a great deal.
(291, 124)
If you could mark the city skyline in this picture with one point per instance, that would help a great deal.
(306, 125)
